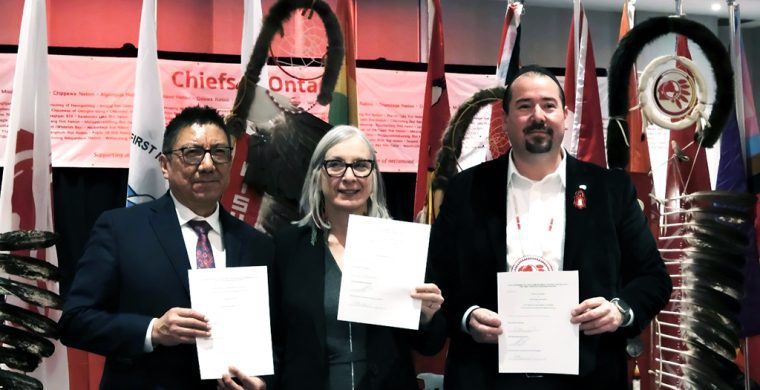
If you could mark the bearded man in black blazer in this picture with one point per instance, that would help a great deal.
(130, 296)
(539, 209)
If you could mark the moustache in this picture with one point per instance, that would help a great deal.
(538, 127)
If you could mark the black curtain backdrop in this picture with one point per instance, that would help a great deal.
(80, 195)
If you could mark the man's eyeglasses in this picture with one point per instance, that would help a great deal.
(193, 155)
(337, 168)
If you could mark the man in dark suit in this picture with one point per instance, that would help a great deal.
(539, 209)
(130, 297)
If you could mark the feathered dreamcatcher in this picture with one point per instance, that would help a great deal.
(24, 332)
(697, 335)
(453, 137)
(673, 99)
(281, 141)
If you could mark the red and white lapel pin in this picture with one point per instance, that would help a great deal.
(579, 200)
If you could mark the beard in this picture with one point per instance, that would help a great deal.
(542, 143)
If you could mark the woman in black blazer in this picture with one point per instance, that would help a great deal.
(316, 351)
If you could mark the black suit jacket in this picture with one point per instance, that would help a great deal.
(608, 242)
(134, 269)
(299, 330)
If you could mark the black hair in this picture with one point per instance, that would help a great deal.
(190, 116)
(532, 69)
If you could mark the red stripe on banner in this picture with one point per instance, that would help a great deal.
(23, 176)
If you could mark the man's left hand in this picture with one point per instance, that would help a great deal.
(248, 382)
(596, 315)
(431, 298)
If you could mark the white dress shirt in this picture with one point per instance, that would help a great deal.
(190, 237)
(537, 244)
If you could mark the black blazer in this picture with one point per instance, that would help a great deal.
(134, 269)
(299, 328)
(608, 242)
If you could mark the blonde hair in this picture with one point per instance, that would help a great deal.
(313, 200)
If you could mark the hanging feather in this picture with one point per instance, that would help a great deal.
(18, 359)
(30, 320)
(26, 341)
(30, 294)
(23, 347)
(18, 381)
(28, 267)
(17, 240)
(712, 285)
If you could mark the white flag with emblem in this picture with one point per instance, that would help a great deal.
(26, 195)
(146, 181)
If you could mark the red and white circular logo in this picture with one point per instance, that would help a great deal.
(532, 264)
(674, 92)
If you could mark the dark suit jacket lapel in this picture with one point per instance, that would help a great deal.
(490, 197)
(313, 267)
(574, 217)
(231, 239)
(166, 227)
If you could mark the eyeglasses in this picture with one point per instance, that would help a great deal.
(193, 155)
(337, 168)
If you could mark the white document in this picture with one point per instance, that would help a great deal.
(383, 262)
(534, 308)
(236, 302)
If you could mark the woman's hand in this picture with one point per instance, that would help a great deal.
(431, 298)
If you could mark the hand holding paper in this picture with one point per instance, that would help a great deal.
(431, 298)
(596, 315)
(383, 262)
(179, 326)
(236, 302)
(485, 326)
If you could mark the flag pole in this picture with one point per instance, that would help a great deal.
(732, 31)
(679, 9)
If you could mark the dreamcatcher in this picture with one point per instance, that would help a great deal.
(24, 333)
(453, 137)
(281, 134)
(695, 338)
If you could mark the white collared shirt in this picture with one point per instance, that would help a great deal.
(536, 220)
(190, 238)
(540, 205)
(184, 215)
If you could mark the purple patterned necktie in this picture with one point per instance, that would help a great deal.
(203, 254)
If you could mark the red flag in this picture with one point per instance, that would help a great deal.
(640, 171)
(436, 111)
(691, 175)
(584, 137)
(26, 195)
(507, 65)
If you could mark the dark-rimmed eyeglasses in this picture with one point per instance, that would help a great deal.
(193, 155)
(337, 168)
